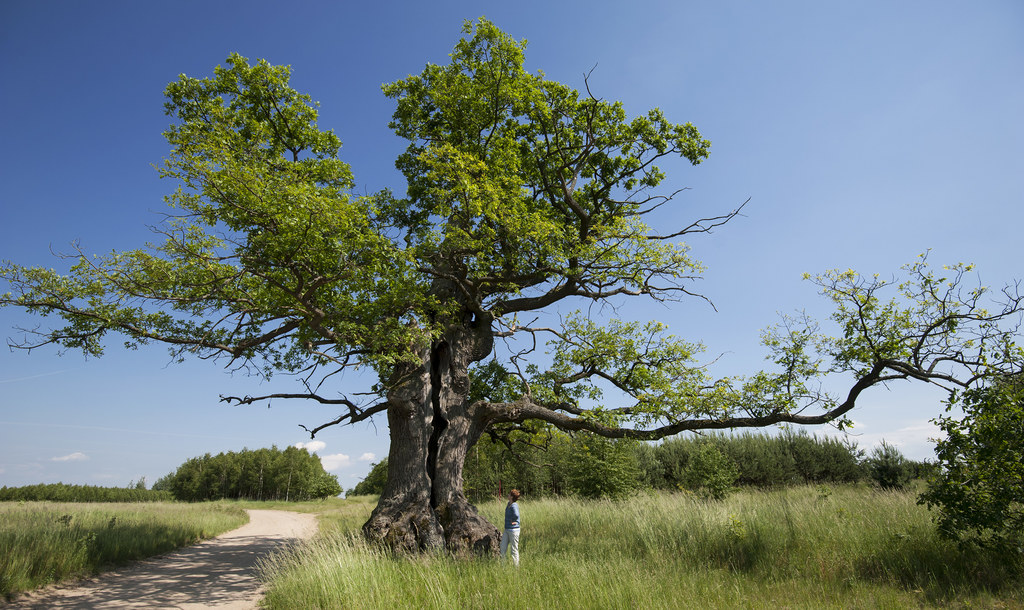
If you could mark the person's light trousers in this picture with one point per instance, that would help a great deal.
(510, 545)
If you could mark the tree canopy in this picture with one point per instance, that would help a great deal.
(523, 195)
(289, 474)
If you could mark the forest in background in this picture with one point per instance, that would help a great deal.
(590, 466)
(289, 474)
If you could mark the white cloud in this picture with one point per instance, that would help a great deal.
(367, 457)
(77, 456)
(335, 461)
(311, 446)
(915, 440)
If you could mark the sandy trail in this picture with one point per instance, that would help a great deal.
(217, 573)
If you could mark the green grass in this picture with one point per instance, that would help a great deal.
(848, 547)
(47, 542)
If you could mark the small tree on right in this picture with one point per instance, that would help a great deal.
(979, 490)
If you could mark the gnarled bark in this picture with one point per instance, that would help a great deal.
(432, 429)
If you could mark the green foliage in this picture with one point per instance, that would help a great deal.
(709, 472)
(979, 491)
(537, 470)
(601, 467)
(888, 468)
(523, 180)
(261, 474)
(763, 460)
(521, 193)
(164, 483)
(584, 465)
(263, 229)
(654, 368)
(587, 465)
(530, 457)
(59, 492)
(923, 470)
(651, 473)
(373, 483)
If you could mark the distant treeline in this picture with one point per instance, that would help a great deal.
(260, 474)
(59, 492)
(591, 466)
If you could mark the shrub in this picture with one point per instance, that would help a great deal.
(979, 490)
(888, 468)
(601, 467)
(709, 473)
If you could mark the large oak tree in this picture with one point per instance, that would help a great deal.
(523, 194)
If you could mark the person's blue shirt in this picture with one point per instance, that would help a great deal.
(512, 516)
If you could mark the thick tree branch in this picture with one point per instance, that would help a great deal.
(524, 409)
(355, 412)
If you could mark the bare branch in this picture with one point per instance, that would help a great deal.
(704, 225)
(356, 413)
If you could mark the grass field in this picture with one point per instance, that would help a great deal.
(810, 547)
(46, 542)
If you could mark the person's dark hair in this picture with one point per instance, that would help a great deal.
(513, 495)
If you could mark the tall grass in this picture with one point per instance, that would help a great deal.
(46, 542)
(808, 547)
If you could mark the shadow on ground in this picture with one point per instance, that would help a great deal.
(218, 573)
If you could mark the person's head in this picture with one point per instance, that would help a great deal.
(513, 495)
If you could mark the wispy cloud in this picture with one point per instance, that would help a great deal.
(335, 461)
(367, 457)
(77, 456)
(915, 441)
(311, 446)
(30, 377)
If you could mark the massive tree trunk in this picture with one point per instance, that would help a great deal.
(432, 429)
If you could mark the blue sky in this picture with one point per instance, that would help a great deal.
(863, 133)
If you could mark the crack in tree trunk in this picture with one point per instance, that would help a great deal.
(439, 423)
(432, 428)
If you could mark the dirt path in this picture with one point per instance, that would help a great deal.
(217, 573)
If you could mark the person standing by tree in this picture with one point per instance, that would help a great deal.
(510, 537)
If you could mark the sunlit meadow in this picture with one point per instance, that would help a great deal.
(808, 547)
